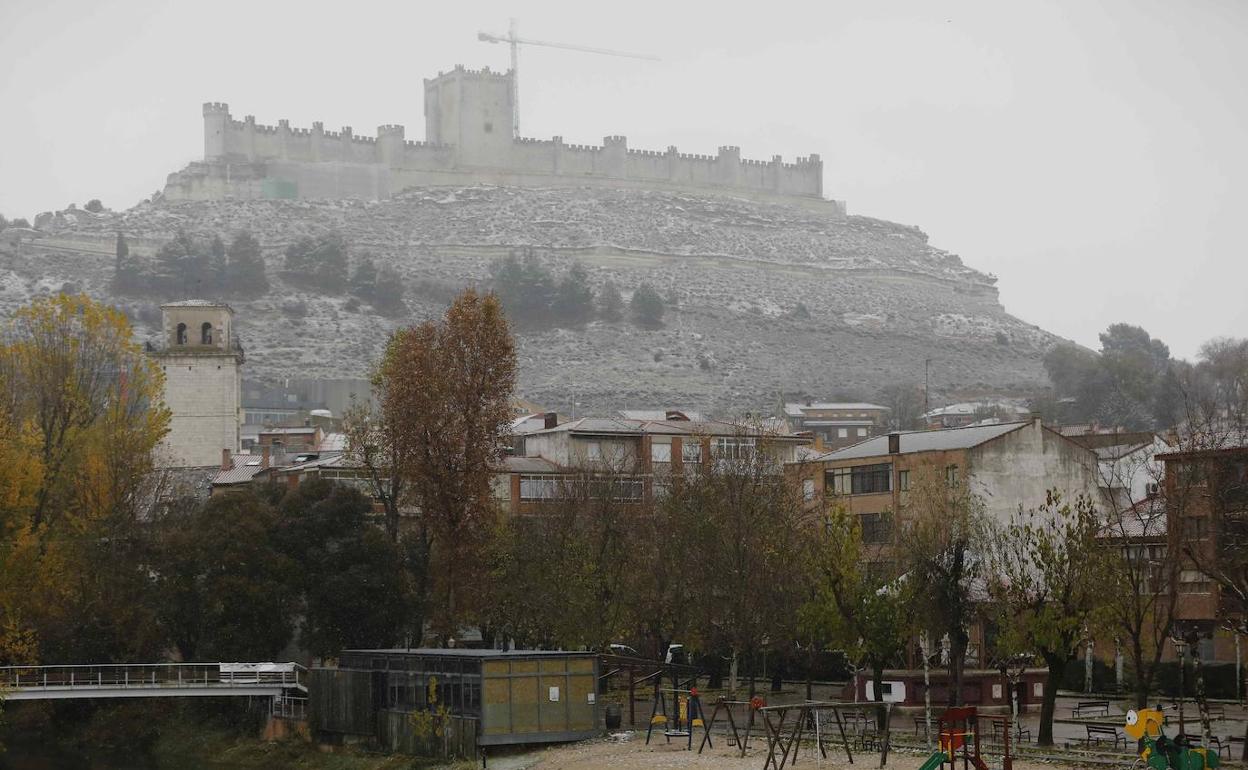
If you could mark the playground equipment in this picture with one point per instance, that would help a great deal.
(1162, 753)
(958, 731)
(688, 716)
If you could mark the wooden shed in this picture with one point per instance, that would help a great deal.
(498, 696)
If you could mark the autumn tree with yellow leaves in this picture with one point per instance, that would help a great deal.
(80, 415)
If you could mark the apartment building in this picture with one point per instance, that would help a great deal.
(836, 424)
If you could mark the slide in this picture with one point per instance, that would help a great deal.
(934, 761)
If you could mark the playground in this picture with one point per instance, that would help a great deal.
(634, 754)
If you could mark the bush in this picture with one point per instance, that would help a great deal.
(295, 308)
(94, 206)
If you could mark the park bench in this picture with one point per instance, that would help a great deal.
(920, 724)
(1100, 733)
(1091, 708)
(1232, 741)
(1021, 734)
(1217, 712)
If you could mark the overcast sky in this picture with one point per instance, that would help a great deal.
(1092, 155)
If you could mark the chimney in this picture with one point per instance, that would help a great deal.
(264, 456)
(227, 462)
(894, 443)
(550, 420)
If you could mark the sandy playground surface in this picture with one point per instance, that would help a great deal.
(634, 754)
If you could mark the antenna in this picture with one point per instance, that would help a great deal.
(515, 41)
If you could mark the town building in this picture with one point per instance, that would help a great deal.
(638, 456)
(836, 424)
(1206, 497)
(202, 360)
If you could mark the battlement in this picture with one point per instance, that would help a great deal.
(468, 136)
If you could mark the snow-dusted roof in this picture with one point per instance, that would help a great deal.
(622, 427)
(796, 408)
(926, 441)
(197, 303)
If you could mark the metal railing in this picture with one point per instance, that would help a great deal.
(149, 676)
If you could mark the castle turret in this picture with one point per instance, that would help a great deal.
(216, 124)
(614, 155)
(390, 144)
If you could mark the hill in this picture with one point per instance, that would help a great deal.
(766, 296)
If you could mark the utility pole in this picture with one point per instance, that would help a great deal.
(515, 41)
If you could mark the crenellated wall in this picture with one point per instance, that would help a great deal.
(468, 140)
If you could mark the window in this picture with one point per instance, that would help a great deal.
(808, 489)
(903, 481)
(951, 475)
(1195, 527)
(862, 431)
(593, 450)
(860, 480)
(205, 334)
(842, 432)
(660, 453)
(1193, 581)
(181, 334)
(732, 448)
(876, 527)
(691, 451)
(539, 487)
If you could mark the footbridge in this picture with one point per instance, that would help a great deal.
(283, 682)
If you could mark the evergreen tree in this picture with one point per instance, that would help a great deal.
(388, 292)
(3, 222)
(318, 263)
(245, 268)
(647, 307)
(364, 279)
(216, 271)
(94, 206)
(610, 303)
(126, 276)
(20, 222)
(574, 302)
(182, 266)
(525, 286)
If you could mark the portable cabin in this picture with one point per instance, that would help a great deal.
(493, 697)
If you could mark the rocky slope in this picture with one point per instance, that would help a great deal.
(878, 298)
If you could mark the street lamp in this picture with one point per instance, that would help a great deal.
(1180, 648)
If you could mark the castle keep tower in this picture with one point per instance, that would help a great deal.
(202, 361)
(471, 109)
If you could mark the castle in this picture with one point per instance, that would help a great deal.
(468, 140)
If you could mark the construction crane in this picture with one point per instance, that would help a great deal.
(515, 41)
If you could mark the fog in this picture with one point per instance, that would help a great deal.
(1091, 155)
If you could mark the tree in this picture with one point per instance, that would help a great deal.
(905, 405)
(942, 523)
(3, 222)
(183, 266)
(1046, 575)
(245, 269)
(749, 529)
(388, 292)
(859, 603)
(126, 275)
(1142, 571)
(94, 206)
(80, 415)
(318, 263)
(364, 279)
(647, 307)
(216, 272)
(574, 302)
(355, 592)
(225, 591)
(525, 287)
(610, 303)
(446, 391)
(20, 222)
